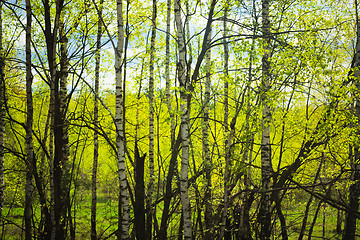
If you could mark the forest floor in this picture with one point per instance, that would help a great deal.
(324, 227)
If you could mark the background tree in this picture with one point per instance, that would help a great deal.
(2, 115)
(96, 123)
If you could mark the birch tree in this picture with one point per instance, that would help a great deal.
(226, 122)
(174, 146)
(124, 215)
(183, 83)
(206, 149)
(151, 123)
(57, 98)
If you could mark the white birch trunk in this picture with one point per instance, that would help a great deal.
(151, 123)
(63, 92)
(181, 73)
(167, 72)
(120, 136)
(206, 150)
(65, 181)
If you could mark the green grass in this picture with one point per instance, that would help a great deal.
(107, 218)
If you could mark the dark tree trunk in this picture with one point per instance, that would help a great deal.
(228, 229)
(168, 189)
(354, 191)
(351, 214)
(96, 123)
(139, 208)
(244, 232)
(29, 124)
(264, 216)
(339, 221)
(311, 229)
(2, 117)
(281, 216)
(60, 194)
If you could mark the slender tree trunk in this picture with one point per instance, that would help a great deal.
(245, 229)
(282, 219)
(151, 126)
(167, 72)
(124, 214)
(51, 62)
(308, 205)
(181, 73)
(206, 150)
(174, 150)
(339, 221)
(354, 191)
(226, 125)
(29, 128)
(311, 229)
(96, 124)
(2, 117)
(139, 208)
(51, 152)
(45, 221)
(59, 194)
(266, 165)
(66, 178)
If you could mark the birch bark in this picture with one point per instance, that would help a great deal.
(151, 125)
(228, 138)
(65, 151)
(181, 74)
(206, 149)
(124, 215)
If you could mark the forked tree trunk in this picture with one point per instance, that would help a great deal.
(266, 166)
(58, 212)
(151, 126)
(29, 124)
(124, 211)
(172, 164)
(182, 78)
(96, 123)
